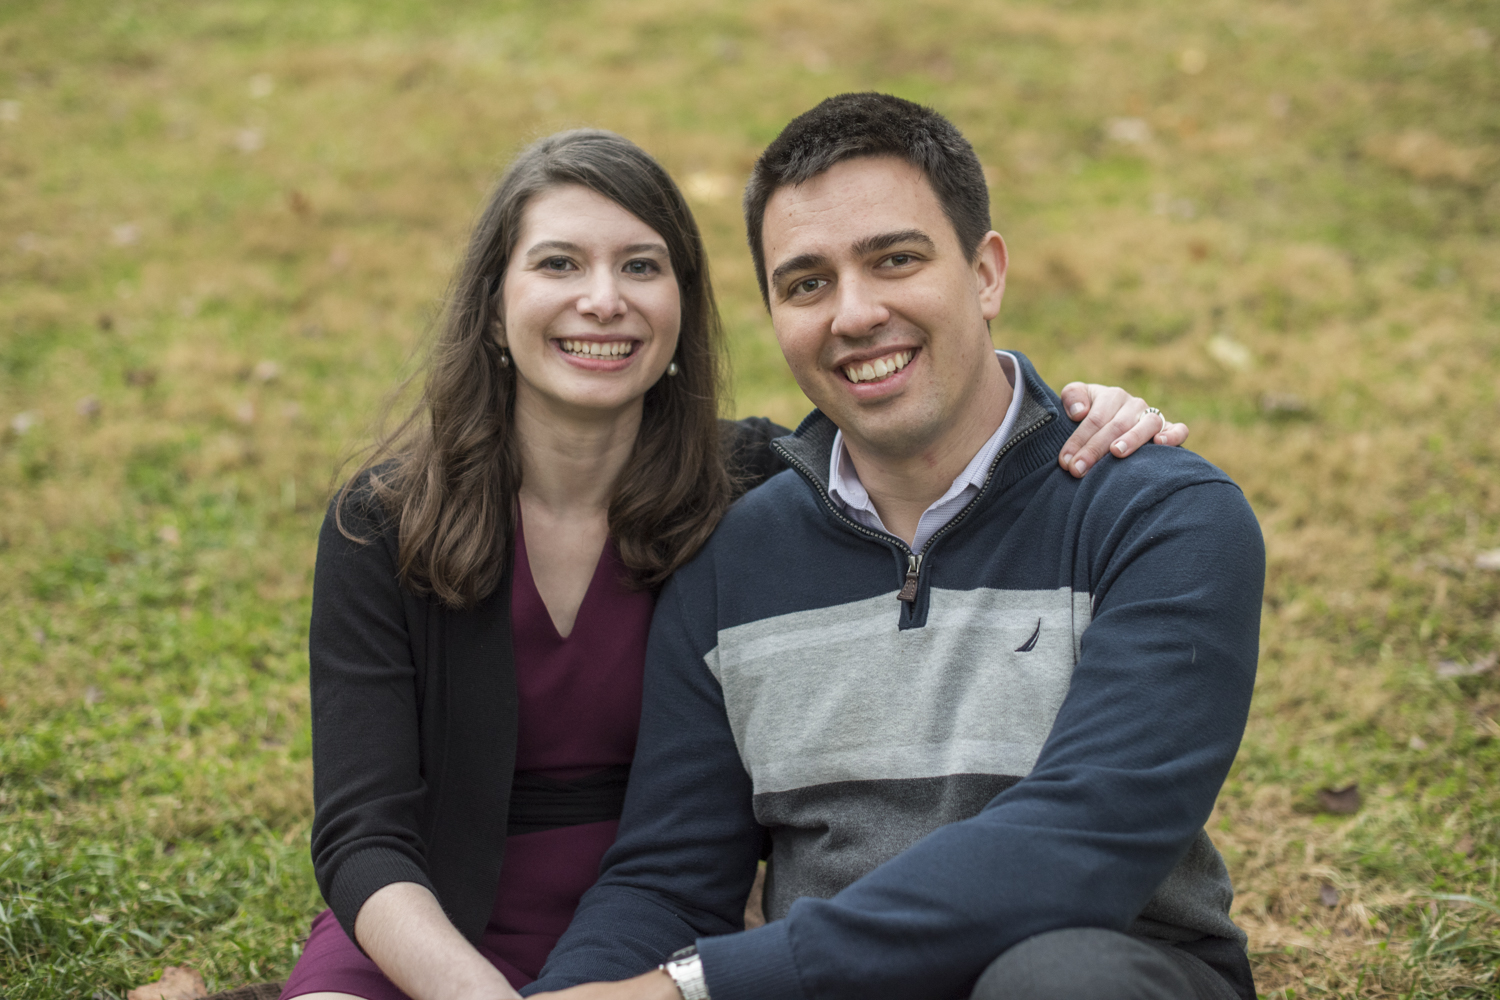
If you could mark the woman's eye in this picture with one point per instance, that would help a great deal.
(557, 263)
(642, 267)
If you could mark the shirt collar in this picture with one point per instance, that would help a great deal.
(846, 490)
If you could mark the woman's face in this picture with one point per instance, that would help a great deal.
(591, 309)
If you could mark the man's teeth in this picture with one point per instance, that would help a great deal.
(598, 349)
(868, 371)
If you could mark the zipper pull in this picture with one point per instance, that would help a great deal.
(909, 588)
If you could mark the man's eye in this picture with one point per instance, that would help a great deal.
(900, 259)
(807, 286)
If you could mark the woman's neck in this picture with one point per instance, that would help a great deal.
(571, 460)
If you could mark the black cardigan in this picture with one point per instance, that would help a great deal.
(414, 718)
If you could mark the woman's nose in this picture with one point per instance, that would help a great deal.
(602, 299)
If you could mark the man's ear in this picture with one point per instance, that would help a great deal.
(990, 263)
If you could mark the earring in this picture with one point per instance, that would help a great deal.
(504, 357)
(672, 368)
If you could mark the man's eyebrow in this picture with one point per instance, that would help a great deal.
(801, 262)
(884, 241)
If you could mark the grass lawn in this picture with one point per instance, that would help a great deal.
(226, 226)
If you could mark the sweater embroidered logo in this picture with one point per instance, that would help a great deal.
(1030, 644)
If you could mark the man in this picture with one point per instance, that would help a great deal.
(974, 710)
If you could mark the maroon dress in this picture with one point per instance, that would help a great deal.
(580, 706)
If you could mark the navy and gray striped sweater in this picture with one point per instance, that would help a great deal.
(1033, 741)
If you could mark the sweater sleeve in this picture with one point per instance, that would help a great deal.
(686, 854)
(1124, 783)
(367, 786)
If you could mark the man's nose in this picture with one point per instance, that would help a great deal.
(857, 309)
(602, 299)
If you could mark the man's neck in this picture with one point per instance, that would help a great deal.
(902, 486)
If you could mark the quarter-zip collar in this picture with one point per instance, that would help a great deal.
(809, 448)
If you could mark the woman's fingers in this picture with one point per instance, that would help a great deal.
(1111, 412)
(1111, 421)
(1077, 399)
(1147, 423)
(1173, 435)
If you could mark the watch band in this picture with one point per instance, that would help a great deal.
(686, 970)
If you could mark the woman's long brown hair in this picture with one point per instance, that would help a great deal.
(449, 472)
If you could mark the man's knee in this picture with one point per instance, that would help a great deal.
(1083, 963)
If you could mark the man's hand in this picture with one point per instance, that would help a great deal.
(1116, 422)
(653, 985)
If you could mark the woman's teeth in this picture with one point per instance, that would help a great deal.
(598, 349)
(869, 371)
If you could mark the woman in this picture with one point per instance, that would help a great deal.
(485, 583)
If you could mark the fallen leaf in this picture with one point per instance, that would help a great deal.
(1475, 667)
(1230, 353)
(1134, 131)
(708, 187)
(1192, 61)
(24, 421)
(169, 535)
(261, 85)
(89, 407)
(1283, 404)
(1488, 560)
(1328, 896)
(266, 371)
(754, 906)
(10, 112)
(91, 696)
(141, 377)
(1340, 801)
(1417, 743)
(245, 412)
(126, 234)
(249, 140)
(1425, 156)
(299, 204)
(106, 322)
(1465, 845)
(176, 983)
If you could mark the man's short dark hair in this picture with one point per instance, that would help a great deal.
(852, 125)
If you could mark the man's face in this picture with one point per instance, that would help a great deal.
(881, 316)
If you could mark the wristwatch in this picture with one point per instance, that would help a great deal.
(686, 970)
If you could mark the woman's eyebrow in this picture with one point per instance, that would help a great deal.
(552, 246)
(548, 246)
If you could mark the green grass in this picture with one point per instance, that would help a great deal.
(189, 191)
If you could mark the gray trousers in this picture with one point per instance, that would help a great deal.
(1087, 963)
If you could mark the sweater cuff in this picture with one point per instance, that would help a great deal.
(751, 965)
(365, 873)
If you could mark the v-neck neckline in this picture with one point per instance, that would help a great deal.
(523, 571)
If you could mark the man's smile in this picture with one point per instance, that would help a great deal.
(877, 369)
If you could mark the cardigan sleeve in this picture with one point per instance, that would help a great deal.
(368, 788)
(747, 451)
